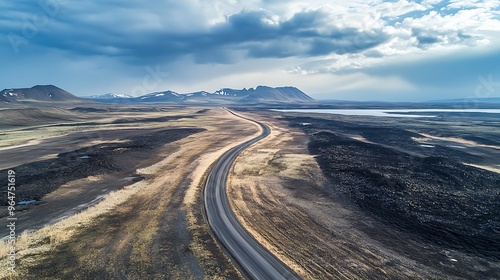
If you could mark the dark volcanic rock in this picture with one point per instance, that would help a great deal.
(434, 195)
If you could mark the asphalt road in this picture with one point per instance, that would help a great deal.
(255, 260)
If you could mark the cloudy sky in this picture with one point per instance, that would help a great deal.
(357, 50)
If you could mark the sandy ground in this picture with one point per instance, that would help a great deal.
(152, 229)
(276, 190)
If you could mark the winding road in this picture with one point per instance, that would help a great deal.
(255, 260)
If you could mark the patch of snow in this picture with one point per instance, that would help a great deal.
(159, 94)
(122, 95)
(111, 95)
(426, 146)
(458, 147)
(85, 157)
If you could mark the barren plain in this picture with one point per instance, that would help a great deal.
(118, 193)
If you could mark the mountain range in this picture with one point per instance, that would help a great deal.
(259, 95)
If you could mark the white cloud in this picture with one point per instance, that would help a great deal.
(460, 4)
(432, 32)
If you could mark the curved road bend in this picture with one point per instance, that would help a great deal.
(256, 261)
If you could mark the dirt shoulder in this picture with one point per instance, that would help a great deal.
(281, 196)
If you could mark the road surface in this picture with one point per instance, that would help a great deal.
(255, 260)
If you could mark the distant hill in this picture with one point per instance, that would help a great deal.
(261, 94)
(493, 100)
(40, 93)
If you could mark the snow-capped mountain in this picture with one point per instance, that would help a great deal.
(110, 96)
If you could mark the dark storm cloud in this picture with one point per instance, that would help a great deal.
(307, 33)
(249, 33)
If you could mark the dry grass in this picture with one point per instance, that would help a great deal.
(48, 238)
